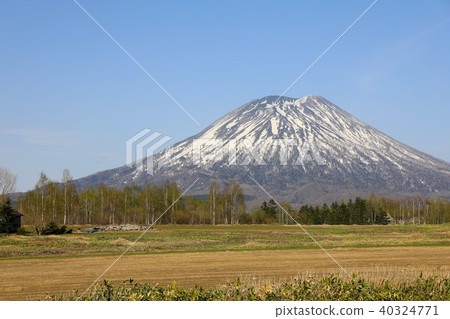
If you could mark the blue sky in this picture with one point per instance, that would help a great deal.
(70, 98)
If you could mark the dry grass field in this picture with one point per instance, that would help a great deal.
(212, 256)
(180, 238)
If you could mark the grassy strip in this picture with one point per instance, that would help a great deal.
(166, 252)
(327, 288)
(183, 238)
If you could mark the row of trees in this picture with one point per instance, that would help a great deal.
(62, 203)
(374, 210)
(414, 210)
(359, 212)
(379, 210)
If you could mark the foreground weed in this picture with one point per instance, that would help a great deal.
(326, 288)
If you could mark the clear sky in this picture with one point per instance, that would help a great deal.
(70, 98)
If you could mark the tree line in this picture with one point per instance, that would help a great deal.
(357, 212)
(62, 203)
(373, 210)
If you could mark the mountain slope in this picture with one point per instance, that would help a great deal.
(309, 150)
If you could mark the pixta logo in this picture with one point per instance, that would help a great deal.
(141, 147)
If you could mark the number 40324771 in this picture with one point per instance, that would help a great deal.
(409, 310)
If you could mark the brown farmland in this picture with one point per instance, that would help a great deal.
(32, 279)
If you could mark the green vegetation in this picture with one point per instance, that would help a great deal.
(53, 229)
(6, 218)
(358, 212)
(326, 288)
(185, 238)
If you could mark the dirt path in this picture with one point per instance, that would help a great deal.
(31, 279)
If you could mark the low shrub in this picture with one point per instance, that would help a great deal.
(325, 289)
(22, 232)
(53, 229)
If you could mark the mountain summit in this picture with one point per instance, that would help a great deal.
(304, 150)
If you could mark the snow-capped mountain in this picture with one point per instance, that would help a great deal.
(303, 150)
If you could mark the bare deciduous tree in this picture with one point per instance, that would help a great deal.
(212, 199)
(65, 180)
(7, 182)
(41, 188)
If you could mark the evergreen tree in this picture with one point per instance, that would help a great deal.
(6, 218)
(270, 209)
(382, 218)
